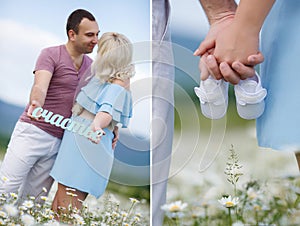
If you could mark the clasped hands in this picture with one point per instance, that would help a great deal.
(229, 51)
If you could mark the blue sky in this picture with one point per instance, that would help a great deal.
(28, 26)
(187, 17)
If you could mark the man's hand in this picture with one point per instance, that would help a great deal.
(206, 48)
(116, 137)
(34, 104)
(215, 29)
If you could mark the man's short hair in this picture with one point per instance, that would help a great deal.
(75, 19)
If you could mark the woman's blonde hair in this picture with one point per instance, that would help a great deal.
(114, 56)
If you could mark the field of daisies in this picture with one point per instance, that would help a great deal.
(218, 177)
(119, 206)
(112, 209)
(241, 185)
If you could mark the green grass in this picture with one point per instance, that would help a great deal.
(3, 145)
(138, 192)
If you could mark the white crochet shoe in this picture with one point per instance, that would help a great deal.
(250, 97)
(213, 96)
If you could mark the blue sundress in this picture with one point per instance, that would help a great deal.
(81, 164)
(279, 127)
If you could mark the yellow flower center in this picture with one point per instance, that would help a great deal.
(229, 204)
(175, 208)
(257, 208)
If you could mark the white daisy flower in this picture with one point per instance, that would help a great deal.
(124, 214)
(136, 219)
(13, 195)
(174, 209)
(229, 202)
(133, 200)
(44, 198)
(28, 204)
(177, 206)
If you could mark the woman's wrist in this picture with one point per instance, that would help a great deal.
(246, 27)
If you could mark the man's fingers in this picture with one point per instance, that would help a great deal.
(255, 59)
(204, 47)
(114, 143)
(242, 70)
(228, 74)
(116, 137)
(203, 69)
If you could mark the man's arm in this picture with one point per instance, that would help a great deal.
(218, 9)
(39, 90)
(220, 14)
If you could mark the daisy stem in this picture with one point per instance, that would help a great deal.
(235, 195)
(297, 201)
(229, 217)
(205, 215)
(177, 221)
(130, 209)
(256, 217)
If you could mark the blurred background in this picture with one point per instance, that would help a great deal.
(201, 146)
(28, 26)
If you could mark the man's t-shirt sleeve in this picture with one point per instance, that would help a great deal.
(46, 60)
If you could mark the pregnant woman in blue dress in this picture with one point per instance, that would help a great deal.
(83, 165)
(278, 128)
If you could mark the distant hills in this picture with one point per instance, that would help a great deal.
(9, 115)
(131, 165)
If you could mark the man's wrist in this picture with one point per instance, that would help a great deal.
(35, 103)
(219, 17)
(217, 10)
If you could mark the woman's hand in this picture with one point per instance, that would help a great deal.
(97, 134)
(236, 43)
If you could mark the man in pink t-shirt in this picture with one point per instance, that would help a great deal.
(34, 143)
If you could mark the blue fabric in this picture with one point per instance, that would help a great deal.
(107, 97)
(83, 165)
(278, 127)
